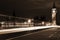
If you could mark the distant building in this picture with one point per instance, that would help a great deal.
(54, 14)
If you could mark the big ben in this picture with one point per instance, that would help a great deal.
(54, 14)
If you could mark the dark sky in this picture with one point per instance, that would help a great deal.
(28, 8)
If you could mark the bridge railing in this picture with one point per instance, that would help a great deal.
(7, 22)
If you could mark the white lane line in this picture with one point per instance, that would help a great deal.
(19, 36)
(26, 35)
(23, 35)
(55, 32)
(52, 34)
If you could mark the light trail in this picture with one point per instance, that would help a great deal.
(5, 31)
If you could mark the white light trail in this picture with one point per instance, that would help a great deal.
(5, 31)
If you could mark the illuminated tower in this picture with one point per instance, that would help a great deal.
(54, 14)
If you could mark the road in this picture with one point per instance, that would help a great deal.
(48, 34)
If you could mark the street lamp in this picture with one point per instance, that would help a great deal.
(2, 25)
(14, 18)
(29, 20)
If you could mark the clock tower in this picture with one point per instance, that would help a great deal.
(54, 14)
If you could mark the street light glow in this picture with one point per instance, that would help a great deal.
(43, 22)
(25, 22)
(2, 22)
(29, 20)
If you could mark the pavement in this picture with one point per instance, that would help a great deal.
(31, 33)
(48, 34)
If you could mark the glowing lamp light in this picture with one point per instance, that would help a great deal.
(25, 22)
(43, 23)
(2, 22)
(48, 24)
(29, 20)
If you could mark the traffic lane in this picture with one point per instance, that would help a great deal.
(12, 35)
(56, 35)
(40, 35)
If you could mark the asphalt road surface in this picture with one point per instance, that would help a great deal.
(48, 34)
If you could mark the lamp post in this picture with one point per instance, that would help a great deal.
(14, 17)
(29, 22)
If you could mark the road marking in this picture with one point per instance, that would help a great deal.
(51, 35)
(27, 34)
(55, 32)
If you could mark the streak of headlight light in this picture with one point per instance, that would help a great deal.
(22, 29)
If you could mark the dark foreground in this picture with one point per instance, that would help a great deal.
(46, 34)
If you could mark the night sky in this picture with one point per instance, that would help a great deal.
(28, 8)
